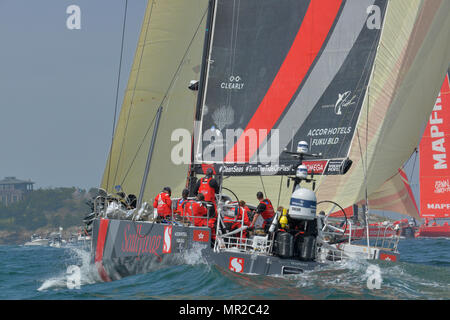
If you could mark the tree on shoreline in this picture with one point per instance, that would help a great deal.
(55, 207)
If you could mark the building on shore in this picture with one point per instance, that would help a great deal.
(13, 190)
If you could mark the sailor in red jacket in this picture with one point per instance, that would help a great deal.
(163, 203)
(242, 217)
(265, 210)
(183, 208)
(199, 211)
(208, 186)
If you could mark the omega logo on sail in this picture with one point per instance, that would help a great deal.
(438, 148)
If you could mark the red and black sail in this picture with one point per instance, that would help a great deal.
(280, 72)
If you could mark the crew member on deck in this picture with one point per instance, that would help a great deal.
(183, 209)
(265, 210)
(163, 203)
(242, 215)
(199, 211)
(208, 186)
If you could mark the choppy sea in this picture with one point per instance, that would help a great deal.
(36, 273)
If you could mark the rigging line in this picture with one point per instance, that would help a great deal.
(414, 165)
(117, 91)
(134, 89)
(175, 76)
(139, 148)
(279, 192)
(262, 183)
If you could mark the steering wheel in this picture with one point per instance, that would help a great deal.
(326, 224)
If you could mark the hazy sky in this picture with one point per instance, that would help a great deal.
(58, 87)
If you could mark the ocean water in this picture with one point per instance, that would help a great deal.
(423, 272)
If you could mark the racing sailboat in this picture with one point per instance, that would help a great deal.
(395, 195)
(434, 168)
(355, 79)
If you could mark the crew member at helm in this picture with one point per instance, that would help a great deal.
(163, 203)
(265, 210)
(208, 186)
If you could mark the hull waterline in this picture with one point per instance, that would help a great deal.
(122, 248)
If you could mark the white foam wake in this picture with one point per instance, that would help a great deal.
(74, 276)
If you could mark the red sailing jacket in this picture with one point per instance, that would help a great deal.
(184, 208)
(207, 190)
(163, 204)
(269, 212)
(198, 210)
(241, 211)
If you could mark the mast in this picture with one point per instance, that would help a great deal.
(201, 89)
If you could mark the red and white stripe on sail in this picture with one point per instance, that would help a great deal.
(310, 37)
(434, 159)
(394, 195)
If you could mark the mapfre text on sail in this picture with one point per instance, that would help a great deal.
(437, 136)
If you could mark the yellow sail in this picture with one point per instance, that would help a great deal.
(168, 57)
(411, 61)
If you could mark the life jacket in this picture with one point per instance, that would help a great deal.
(269, 212)
(207, 190)
(237, 212)
(163, 204)
(183, 208)
(199, 213)
(247, 221)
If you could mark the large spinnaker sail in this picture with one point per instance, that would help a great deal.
(434, 160)
(168, 57)
(410, 63)
(282, 72)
